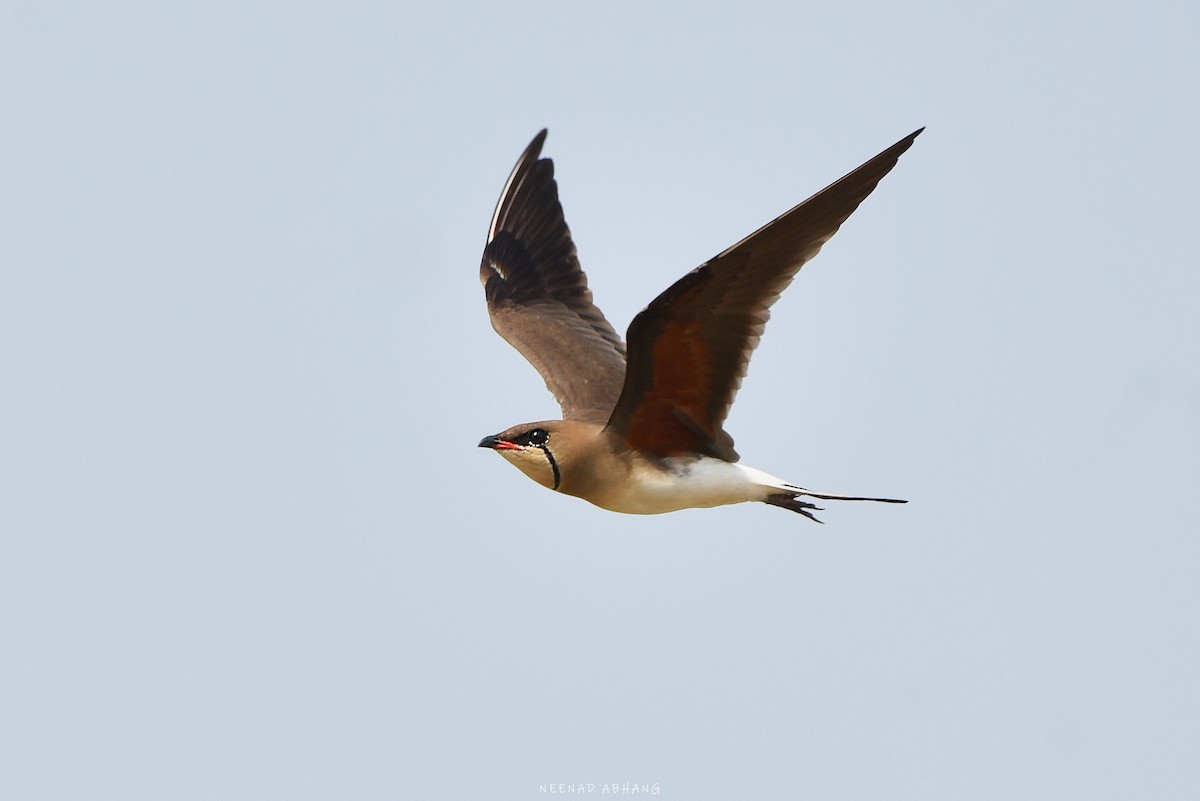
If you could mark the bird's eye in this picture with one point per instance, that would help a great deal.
(538, 436)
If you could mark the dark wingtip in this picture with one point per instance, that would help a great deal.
(903, 145)
(535, 145)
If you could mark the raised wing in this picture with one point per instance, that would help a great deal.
(538, 296)
(689, 349)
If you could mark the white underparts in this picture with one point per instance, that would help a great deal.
(687, 484)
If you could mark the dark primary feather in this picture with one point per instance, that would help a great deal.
(538, 296)
(689, 349)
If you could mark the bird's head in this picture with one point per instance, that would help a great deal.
(530, 446)
(543, 450)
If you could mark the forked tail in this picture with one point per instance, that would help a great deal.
(791, 500)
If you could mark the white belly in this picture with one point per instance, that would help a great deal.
(688, 484)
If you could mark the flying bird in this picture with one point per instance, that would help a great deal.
(642, 429)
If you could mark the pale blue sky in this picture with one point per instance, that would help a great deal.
(249, 549)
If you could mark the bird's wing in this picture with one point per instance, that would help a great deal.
(688, 350)
(538, 296)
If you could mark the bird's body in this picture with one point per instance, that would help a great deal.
(682, 482)
(615, 477)
(642, 429)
